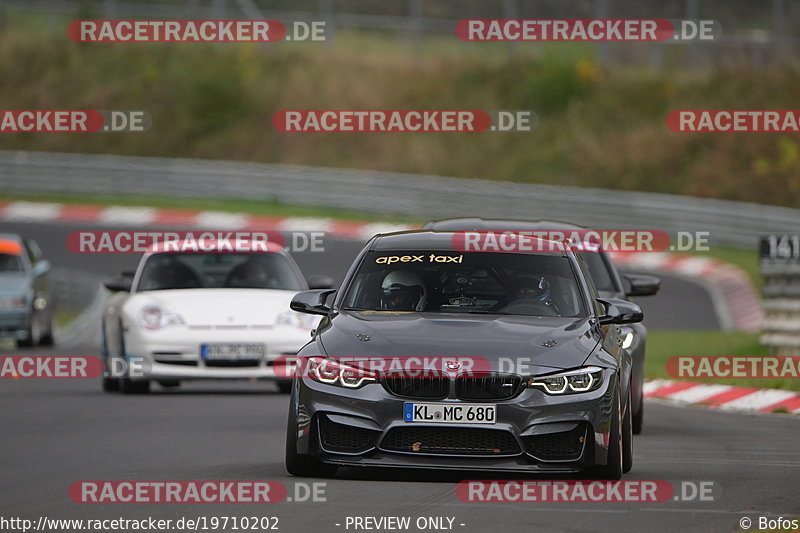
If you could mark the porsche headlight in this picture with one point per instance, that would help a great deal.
(156, 317)
(297, 320)
(628, 335)
(584, 379)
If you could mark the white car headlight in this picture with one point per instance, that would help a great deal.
(297, 320)
(628, 335)
(584, 379)
(156, 317)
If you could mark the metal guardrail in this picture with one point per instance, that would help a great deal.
(424, 197)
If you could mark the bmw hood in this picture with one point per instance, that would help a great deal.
(543, 342)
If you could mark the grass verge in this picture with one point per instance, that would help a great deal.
(663, 344)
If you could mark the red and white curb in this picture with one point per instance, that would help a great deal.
(217, 220)
(724, 397)
(736, 299)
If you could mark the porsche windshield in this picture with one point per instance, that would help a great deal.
(218, 270)
(453, 282)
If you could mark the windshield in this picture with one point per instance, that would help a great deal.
(219, 270)
(11, 263)
(452, 282)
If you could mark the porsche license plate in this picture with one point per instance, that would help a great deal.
(229, 352)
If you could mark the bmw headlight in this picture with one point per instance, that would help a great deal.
(297, 320)
(156, 317)
(584, 379)
(628, 335)
(332, 372)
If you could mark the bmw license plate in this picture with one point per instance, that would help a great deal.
(440, 413)
(232, 352)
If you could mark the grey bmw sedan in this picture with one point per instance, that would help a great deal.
(432, 356)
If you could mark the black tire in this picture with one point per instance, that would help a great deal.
(285, 386)
(47, 338)
(110, 384)
(638, 417)
(30, 334)
(300, 464)
(613, 469)
(627, 437)
(130, 386)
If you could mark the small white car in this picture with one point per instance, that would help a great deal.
(204, 315)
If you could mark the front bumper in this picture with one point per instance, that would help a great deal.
(174, 353)
(534, 432)
(14, 323)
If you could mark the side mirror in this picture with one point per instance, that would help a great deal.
(312, 302)
(34, 249)
(40, 268)
(318, 281)
(620, 311)
(641, 284)
(122, 284)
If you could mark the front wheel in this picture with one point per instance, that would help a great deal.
(614, 463)
(47, 338)
(33, 333)
(129, 386)
(301, 464)
(638, 417)
(627, 437)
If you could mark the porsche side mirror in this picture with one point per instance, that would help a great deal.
(120, 284)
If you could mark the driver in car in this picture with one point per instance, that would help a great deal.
(532, 288)
(403, 290)
(252, 274)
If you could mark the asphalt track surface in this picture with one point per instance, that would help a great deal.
(56, 432)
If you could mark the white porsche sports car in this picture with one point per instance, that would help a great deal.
(204, 315)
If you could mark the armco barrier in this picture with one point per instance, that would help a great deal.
(413, 195)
